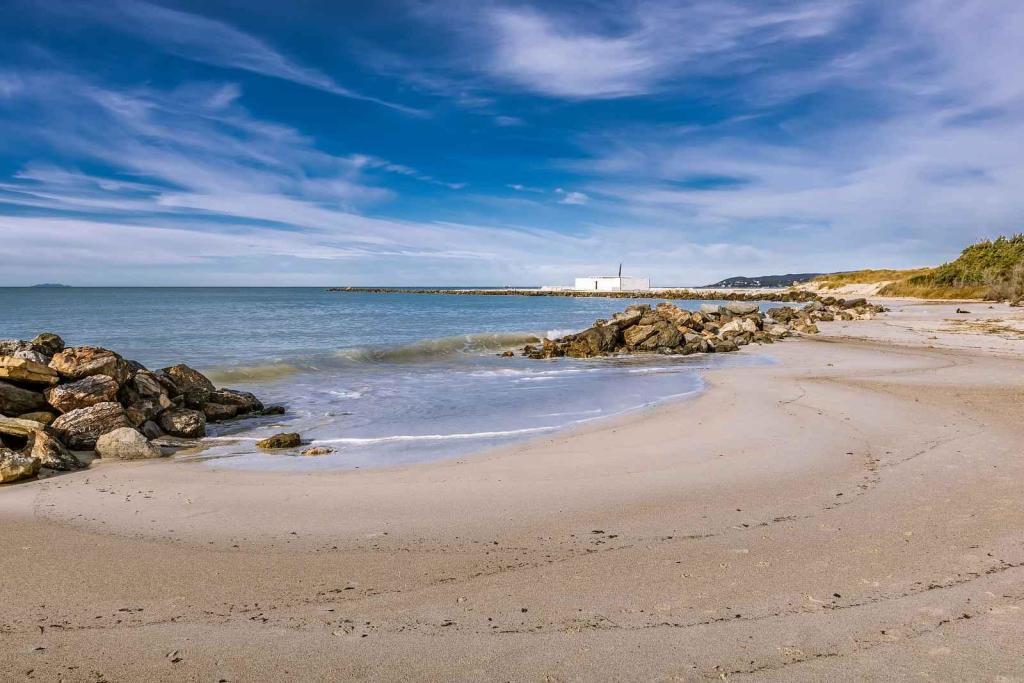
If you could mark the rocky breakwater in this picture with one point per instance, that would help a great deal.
(668, 329)
(56, 400)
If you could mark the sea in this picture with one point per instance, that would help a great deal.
(384, 379)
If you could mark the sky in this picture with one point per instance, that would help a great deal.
(321, 143)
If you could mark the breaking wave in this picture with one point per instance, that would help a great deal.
(426, 350)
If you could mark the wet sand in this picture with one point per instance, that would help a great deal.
(855, 511)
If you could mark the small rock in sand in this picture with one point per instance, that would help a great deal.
(282, 440)
(317, 450)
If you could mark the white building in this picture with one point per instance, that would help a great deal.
(612, 283)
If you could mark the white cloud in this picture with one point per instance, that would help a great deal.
(558, 54)
(569, 197)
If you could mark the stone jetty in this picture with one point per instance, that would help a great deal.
(668, 329)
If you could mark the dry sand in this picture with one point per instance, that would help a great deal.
(855, 511)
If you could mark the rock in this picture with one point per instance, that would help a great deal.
(86, 392)
(273, 410)
(812, 306)
(26, 371)
(782, 314)
(246, 402)
(15, 466)
(778, 331)
(742, 307)
(594, 341)
(166, 382)
(51, 452)
(665, 336)
(43, 417)
(282, 440)
(710, 309)
(217, 412)
(749, 326)
(627, 318)
(48, 343)
(731, 327)
(85, 361)
(636, 335)
(151, 430)
(126, 443)
(853, 303)
(317, 450)
(32, 355)
(183, 422)
(144, 397)
(16, 400)
(80, 428)
(147, 385)
(805, 327)
(723, 346)
(192, 384)
(13, 426)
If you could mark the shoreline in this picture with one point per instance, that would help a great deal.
(852, 512)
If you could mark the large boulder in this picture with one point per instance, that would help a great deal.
(43, 417)
(80, 428)
(183, 422)
(665, 336)
(218, 412)
(17, 427)
(126, 443)
(627, 318)
(48, 343)
(51, 452)
(594, 341)
(26, 371)
(10, 347)
(144, 397)
(742, 307)
(710, 309)
(85, 361)
(636, 335)
(246, 402)
(674, 314)
(86, 392)
(15, 466)
(16, 400)
(192, 384)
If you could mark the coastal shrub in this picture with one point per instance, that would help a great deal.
(990, 269)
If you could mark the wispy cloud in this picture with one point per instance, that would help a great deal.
(198, 38)
(626, 49)
(571, 197)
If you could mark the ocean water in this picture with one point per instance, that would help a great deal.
(384, 379)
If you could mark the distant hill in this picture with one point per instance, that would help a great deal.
(50, 285)
(764, 280)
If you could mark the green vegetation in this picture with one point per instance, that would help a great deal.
(990, 269)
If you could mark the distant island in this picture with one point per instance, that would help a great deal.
(51, 285)
(765, 280)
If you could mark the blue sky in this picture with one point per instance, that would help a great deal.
(323, 143)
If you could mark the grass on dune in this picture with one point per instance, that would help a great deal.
(865, 277)
(990, 269)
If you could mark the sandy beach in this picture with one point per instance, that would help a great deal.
(852, 511)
